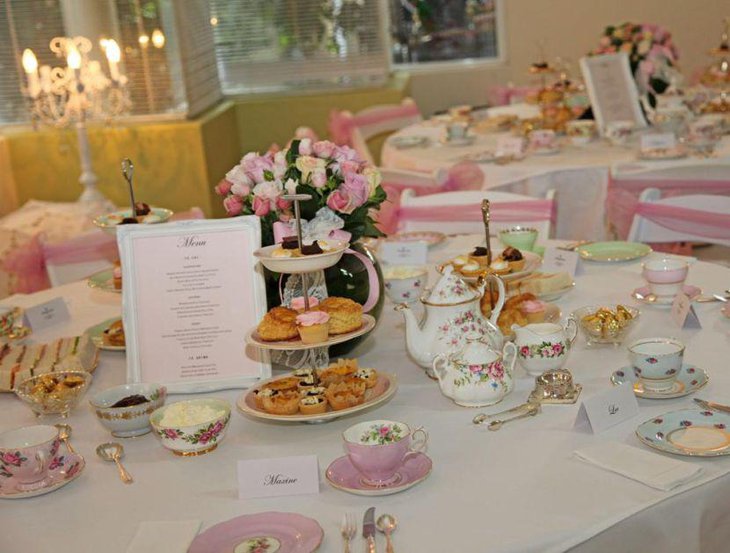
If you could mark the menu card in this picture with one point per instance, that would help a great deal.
(658, 141)
(190, 292)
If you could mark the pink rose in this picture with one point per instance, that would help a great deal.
(323, 149)
(238, 175)
(339, 200)
(255, 165)
(282, 204)
(261, 206)
(346, 166)
(233, 205)
(223, 187)
(305, 147)
(357, 188)
(11, 459)
(319, 178)
(345, 153)
(240, 189)
(273, 148)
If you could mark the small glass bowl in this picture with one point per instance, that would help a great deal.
(606, 337)
(54, 393)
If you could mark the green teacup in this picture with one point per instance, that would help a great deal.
(522, 238)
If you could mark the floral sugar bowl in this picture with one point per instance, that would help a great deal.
(476, 375)
(544, 346)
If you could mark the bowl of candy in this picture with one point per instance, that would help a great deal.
(54, 393)
(606, 324)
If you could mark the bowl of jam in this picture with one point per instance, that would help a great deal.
(125, 410)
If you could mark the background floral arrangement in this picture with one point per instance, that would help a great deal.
(652, 55)
(334, 175)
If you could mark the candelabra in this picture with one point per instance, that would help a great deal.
(76, 93)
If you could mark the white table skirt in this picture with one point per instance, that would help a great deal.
(579, 175)
(516, 490)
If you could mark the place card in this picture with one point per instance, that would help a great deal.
(277, 477)
(658, 141)
(46, 314)
(192, 292)
(555, 260)
(404, 253)
(683, 313)
(608, 408)
(510, 146)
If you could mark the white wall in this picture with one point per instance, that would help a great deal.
(569, 29)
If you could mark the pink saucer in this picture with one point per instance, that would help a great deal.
(64, 469)
(271, 532)
(690, 291)
(343, 476)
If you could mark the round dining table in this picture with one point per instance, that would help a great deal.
(518, 490)
(578, 174)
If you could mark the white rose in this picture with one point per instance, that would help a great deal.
(269, 190)
(238, 176)
(291, 186)
(374, 178)
(307, 164)
(280, 164)
(644, 47)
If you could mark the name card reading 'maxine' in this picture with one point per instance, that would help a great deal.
(278, 477)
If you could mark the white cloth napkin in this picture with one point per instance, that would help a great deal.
(648, 468)
(172, 536)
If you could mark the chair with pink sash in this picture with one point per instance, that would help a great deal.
(355, 130)
(460, 212)
(626, 186)
(691, 218)
(462, 176)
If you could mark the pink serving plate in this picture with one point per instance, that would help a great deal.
(279, 532)
(66, 468)
(692, 292)
(342, 475)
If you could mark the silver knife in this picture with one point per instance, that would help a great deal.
(368, 528)
(712, 405)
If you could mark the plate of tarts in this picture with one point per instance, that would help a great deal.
(321, 401)
(288, 258)
(532, 262)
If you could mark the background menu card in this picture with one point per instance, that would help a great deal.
(191, 290)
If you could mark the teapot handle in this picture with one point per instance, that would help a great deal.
(510, 349)
(438, 366)
(501, 295)
(571, 329)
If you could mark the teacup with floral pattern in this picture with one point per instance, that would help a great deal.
(656, 362)
(26, 455)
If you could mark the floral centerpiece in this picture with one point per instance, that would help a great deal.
(652, 55)
(334, 176)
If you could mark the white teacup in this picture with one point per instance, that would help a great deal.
(457, 130)
(656, 362)
(404, 284)
(665, 276)
(543, 139)
(619, 132)
(581, 132)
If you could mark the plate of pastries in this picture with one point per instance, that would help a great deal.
(143, 215)
(108, 335)
(108, 279)
(521, 309)
(332, 321)
(510, 264)
(309, 395)
(290, 257)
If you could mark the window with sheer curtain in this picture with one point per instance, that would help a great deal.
(270, 45)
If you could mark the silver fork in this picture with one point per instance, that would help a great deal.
(348, 529)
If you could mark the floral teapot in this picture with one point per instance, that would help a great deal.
(477, 375)
(544, 346)
(452, 310)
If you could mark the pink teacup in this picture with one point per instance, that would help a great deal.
(542, 139)
(27, 453)
(377, 449)
(665, 276)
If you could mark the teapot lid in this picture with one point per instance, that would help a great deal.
(451, 288)
(477, 351)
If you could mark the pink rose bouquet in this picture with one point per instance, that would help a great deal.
(333, 175)
(652, 54)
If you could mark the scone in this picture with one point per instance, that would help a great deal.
(114, 335)
(345, 314)
(284, 403)
(278, 324)
(313, 405)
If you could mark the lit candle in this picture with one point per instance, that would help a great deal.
(30, 65)
(113, 55)
(158, 38)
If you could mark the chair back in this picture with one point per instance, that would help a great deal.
(691, 218)
(460, 212)
(79, 257)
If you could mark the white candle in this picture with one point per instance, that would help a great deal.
(113, 54)
(30, 66)
(73, 60)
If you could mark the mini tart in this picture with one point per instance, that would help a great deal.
(459, 261)
(288, 383)
(304, 373)
(471, 269)
(278, 324)
(259, 395)
(348, 393)
(312, 391)
(284, 403)
(516, 266)
(500, 267)
(337, 372)
(313, 405)
(369, 376)
(307, 383)
(114, 335)
(345, 314)
(479, 255)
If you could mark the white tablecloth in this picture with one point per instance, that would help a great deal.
(579, 175)
(517, 490)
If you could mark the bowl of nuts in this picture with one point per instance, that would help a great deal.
(54, 393)
(604, 324)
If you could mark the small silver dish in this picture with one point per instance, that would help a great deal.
(556, 387)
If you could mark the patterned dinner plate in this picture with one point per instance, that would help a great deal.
(693, 432)
(103, 280)
(269, 532)
(689, 380)
(612, 252)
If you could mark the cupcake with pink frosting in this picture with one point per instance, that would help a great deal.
(297, 304)
(533, 310)
(313, 326)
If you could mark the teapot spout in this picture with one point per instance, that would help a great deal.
(414, 334)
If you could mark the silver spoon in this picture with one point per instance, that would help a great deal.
(533, 410)
(483, 417)
(112, 451)
(649, 298)
(64, 433)
(387, 524)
